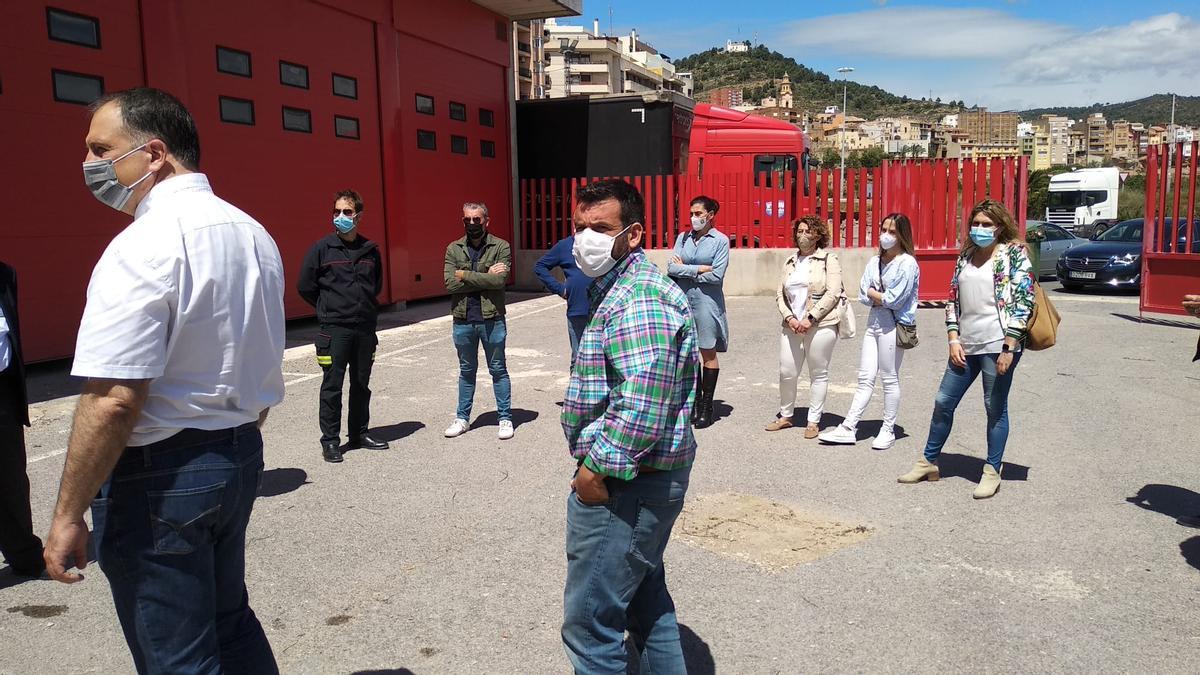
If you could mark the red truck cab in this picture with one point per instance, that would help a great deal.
(726, 141)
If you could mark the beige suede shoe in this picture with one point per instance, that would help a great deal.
(989, 483)
(780, 424)
(811, 431)
(923, 470)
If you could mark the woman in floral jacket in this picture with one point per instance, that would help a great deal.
(991, 300)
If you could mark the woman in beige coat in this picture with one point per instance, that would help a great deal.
(810, 302)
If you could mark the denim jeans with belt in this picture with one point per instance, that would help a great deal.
(615, 577)
(170, 529)
(955, 383)
(467, 337)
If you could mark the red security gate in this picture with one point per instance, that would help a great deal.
(1170, 239)
(757, 209)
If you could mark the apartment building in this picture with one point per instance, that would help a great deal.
(726, 97)
(1121, 143)
(1058, 133)
(582, 62)
(529, 60)
(988, 128)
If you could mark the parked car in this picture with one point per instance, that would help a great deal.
(1114, 259)
(1055, 241)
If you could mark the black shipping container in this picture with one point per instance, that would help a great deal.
(598, 137)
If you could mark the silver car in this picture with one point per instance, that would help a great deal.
(1056, 242)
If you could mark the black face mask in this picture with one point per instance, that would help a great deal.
(475, 231)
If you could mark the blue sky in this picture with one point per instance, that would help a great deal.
(1005, 54)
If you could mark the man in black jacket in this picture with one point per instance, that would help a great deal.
(19, 545)
(341, 276)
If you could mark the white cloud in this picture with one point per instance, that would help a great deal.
(924, 33)
(993, 58)
(1159, 45)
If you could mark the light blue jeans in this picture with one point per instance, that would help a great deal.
(467, 337)
(955, 383)
(615, 577)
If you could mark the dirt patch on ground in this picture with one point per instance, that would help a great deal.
(764, 532)
(39, 611)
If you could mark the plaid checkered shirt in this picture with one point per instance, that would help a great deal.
(629, 402)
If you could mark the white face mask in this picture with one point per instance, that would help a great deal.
(887, 240)
(593, 251)
(698, 222)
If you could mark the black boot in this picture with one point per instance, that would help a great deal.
(704, 404)
(331, 451)
(367, 442)
(698, 401)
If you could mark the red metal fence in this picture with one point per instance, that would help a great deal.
(757, 209)
(1170, 246)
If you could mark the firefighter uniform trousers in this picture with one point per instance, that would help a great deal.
(339, 346)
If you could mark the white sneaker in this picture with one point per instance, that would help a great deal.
(839, 435)
(457, 428)
(506, 430)
(884, 440)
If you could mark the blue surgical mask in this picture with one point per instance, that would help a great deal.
(983, 236)
(343, 223)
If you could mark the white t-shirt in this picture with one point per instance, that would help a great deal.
(979, 327)
(796, 286)
(189, 296)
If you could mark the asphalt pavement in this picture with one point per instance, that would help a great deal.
(446, 555)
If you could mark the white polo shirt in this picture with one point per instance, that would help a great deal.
(189, 296)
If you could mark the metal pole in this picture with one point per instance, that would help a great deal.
(844, 70)
(843, 135)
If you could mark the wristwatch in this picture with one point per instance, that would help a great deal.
(1005, 349)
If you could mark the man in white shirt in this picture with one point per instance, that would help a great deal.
(181, 343)
(19, 545)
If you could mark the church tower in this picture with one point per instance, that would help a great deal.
(785, 92)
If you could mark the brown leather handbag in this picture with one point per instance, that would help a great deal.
(1042, 329)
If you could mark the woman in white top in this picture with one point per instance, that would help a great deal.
(810, 301)
(889, 287)
(991, 300)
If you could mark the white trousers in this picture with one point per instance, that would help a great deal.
(816, 349)
(880, 357)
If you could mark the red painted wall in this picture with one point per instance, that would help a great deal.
(285, 179)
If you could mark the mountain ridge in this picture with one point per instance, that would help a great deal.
(756, 70)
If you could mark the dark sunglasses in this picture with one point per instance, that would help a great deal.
(345, 212)
(473, 221)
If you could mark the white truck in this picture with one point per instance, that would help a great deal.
(1081, 198)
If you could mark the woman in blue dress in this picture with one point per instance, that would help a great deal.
(698, 266)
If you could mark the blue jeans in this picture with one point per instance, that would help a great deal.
(615, 577)
(467, 337)
(954, 385)
(170, 531)
(575, 327)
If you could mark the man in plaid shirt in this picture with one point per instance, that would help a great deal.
(627, 419)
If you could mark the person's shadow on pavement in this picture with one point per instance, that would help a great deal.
(1173, 502)
(1169, 500)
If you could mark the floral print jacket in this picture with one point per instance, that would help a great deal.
(1012, 272)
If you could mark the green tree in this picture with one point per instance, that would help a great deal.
(871, 157)
(830, 158)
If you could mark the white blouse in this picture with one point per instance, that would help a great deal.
(979, 327)
(797, 286)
